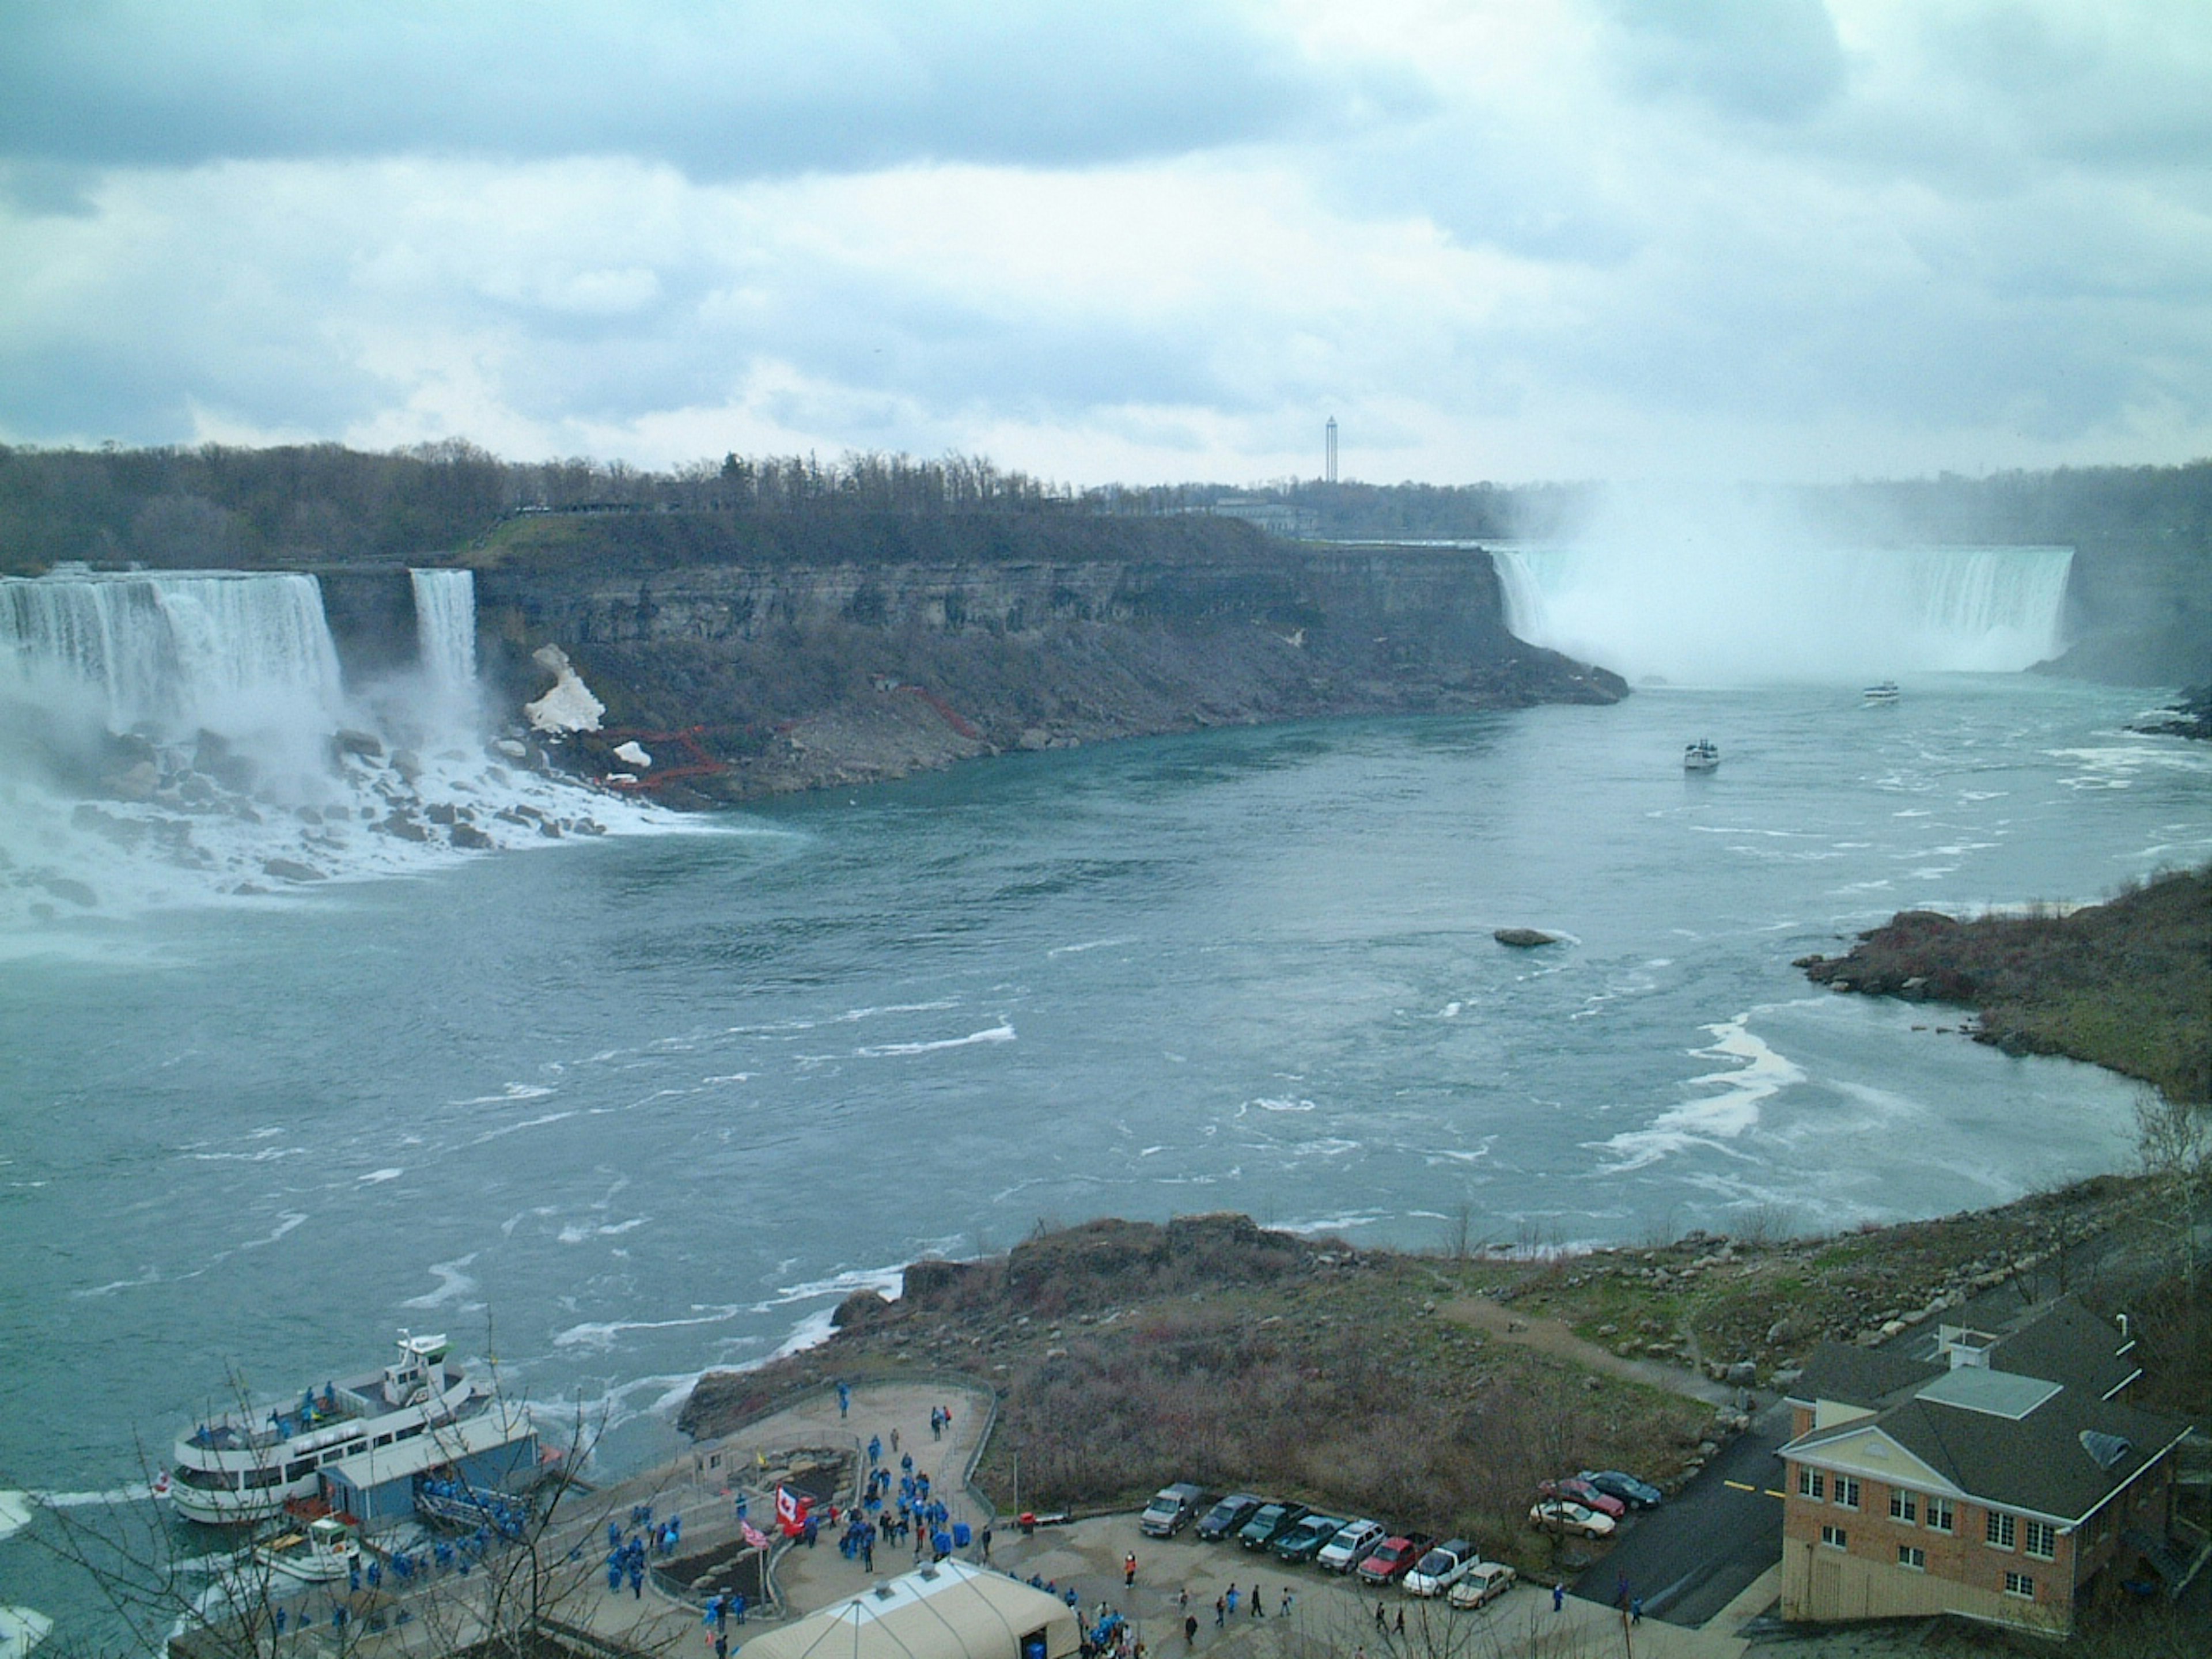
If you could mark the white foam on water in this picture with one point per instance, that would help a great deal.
(377, 1177)
(1000, 1033)
(605, 1333)
(1717, 1118)
(454, 1284)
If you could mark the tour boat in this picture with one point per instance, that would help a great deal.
(245, 1465)
(326, 1550)
(1703, 756)
(1885, 691)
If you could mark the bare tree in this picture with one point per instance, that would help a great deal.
(2173, 1140)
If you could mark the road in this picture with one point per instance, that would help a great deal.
(1702, 1548)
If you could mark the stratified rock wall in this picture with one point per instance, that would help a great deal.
(836, 671)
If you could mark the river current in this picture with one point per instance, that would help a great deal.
(618, 1110)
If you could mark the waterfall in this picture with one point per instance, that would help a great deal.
(446, 627)
(174, 654)
(1704, 613)
(165, 738)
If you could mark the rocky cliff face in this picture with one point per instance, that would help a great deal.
(2139, 609)
(801, 675)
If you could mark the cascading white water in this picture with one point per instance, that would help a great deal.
(1698, 613)
(446, 627)
(248, 658)
(168, 737)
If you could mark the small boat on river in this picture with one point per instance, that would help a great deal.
(245, 1465)
(1703, 756)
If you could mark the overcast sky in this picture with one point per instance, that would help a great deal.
(1135, 239)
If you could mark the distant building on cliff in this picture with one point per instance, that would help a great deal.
(2001, 1479)
(1276, 518)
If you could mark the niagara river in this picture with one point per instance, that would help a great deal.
(617, 1108)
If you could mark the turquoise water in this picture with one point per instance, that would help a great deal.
(621, 1111)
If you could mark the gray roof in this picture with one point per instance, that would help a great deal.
(2061, 1341)
(2067, 1343)
(1869, 1378)
(2039, 1463)
(2031, 1430)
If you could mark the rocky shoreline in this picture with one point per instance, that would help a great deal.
(2126, 984)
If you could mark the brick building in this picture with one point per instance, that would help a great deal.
(2002, 1478)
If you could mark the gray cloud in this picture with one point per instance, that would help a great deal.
(751, 89)
(1773, 60)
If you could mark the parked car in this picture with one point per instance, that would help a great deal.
(1564, 1514)
(1303, 1542)
(1270, 1522)
(1172, 1508)
(1441, 1567)
(1392, 1560)
(1351, 1544)
(1231, 1513)
(1484, 1583)
(1584, 1494)
(1636, 1494)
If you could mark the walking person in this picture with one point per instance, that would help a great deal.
(1259, 1610)
(1219, 1608)
(1129, 1571)
(1189, 1630)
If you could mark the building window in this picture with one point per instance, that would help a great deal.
(1811, 1483)
(1941, 1515)
(2042, 1540)
(1847, 1492)
(1835, 1538)
(2020, 1584)
(1903, 1506)
(1997, 1530)
(1912, 1556)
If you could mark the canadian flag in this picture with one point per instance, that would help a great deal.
(791, 1507)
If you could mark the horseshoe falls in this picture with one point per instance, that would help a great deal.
(1698, 612)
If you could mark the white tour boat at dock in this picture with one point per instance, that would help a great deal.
(325, 1550)
(243, 1467)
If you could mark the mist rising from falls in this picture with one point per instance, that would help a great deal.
(1695, 601)
(172, 738)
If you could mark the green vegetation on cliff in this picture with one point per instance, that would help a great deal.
(2126, 985)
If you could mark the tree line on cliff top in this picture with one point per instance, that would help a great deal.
(217, 505)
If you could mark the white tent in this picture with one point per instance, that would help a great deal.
(948, 1611)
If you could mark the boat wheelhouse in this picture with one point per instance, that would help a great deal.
(245, 1465)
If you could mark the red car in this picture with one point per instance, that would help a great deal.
(1392, 1560)
(1585, 1494)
